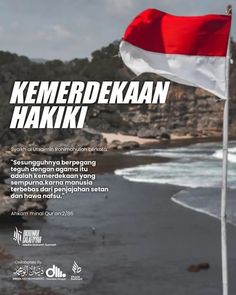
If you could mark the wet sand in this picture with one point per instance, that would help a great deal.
(143, 243)
(151, 241)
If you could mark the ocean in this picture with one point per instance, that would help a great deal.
(197, 169)
(136, 227)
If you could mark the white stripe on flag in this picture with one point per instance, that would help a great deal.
(199, 71)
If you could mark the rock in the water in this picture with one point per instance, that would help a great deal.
(198, 267)
(204, 265)
(193, 268)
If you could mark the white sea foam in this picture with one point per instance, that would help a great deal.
(231, 155)
(193, 166)
(196, 166)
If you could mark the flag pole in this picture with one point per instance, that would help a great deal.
(224, 253)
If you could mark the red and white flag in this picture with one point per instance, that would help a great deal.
(191, 50)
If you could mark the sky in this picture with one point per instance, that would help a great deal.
(67, 29)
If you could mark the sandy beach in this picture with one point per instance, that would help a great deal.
(142, 141)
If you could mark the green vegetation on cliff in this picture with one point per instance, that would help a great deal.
(188, 110)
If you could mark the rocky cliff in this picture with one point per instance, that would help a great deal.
(188, 110)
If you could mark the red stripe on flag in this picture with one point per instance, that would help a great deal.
(157, 31)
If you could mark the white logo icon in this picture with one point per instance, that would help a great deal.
(17, 236)
(76, 269)
(55, 272)
(27, 237)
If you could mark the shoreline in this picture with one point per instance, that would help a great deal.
(175, 138)
(146, 143)
(114, 159)
(150, 241)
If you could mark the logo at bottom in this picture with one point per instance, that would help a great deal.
(55, 272)
(76, 270)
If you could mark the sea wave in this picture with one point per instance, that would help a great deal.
(207, 201)
(198, 168)
(201, 173)
(231, 154)
(192, 166)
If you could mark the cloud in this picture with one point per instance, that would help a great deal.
(118, 6)
(55, 32)
(74, 28)
(61, 31)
